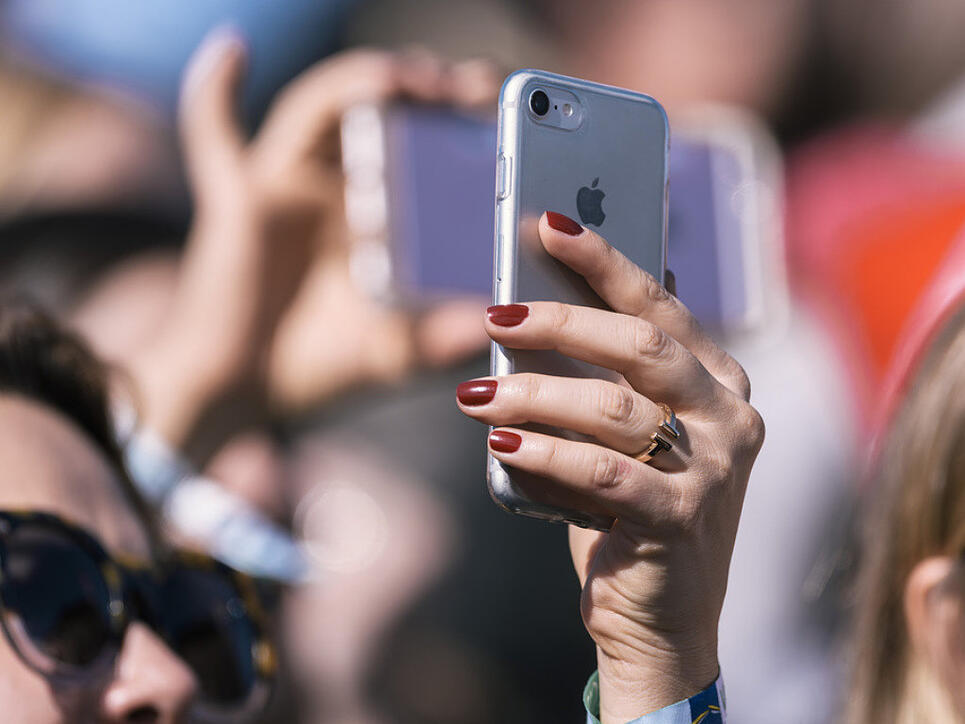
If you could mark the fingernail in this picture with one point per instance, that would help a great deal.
(504, 441)
(563, 223)
(476, 392)
(507, 315)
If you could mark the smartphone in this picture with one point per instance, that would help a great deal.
(597, 154)
(418, 200)
(414, 173)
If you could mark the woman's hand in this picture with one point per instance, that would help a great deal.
(654, 585)
(264, 299)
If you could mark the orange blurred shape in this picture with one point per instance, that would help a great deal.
(887, 260)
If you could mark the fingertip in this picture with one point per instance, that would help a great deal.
(223, 48)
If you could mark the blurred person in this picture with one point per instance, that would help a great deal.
(277, 198)
(266, 259)
(103, 620)
(86, 179)
(65, 148)
(661, 637)
(673, 50)
(212, 340)
(909, 639)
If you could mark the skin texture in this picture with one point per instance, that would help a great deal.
(50, 465)
(653, 587)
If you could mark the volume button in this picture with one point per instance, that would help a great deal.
(504, 176)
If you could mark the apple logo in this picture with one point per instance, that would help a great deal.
(589, 202)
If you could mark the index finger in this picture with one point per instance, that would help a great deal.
(311, 104)
(628, 289)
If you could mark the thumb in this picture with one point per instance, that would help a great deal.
(584, 545)
(210, 129)
(451, 332)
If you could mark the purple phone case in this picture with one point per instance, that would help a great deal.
(441, 167)
(441, 171)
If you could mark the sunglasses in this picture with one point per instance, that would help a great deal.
(65, 605)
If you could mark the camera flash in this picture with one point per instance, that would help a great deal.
(567, 110)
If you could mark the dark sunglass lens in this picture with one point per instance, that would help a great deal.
(57, 591)
(208, 627)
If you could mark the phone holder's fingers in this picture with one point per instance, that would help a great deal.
(630, 290)
(653, 362)
(615, 483)
(614, 414)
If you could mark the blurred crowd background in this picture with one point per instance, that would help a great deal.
(430, 604)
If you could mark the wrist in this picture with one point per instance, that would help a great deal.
(641, 679)
(171, 397)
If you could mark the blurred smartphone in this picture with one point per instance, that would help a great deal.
(725, 242)
(418, 184)
(418, 200)
(597, 154)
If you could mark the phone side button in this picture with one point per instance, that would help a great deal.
(504, 176)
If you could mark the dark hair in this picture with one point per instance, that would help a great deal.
(43, 361)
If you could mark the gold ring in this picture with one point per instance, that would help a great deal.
(662, 439)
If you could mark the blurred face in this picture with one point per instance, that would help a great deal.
(49, 465)
(687, 51)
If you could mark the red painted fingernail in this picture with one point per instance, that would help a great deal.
(476, 392)
(504, 442)
(507, 315)
(563, 223)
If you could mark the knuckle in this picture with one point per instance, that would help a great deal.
(752, 427)
(648, 340)
(531, 387)
(367, 59)
(550, 455)
(607, 471)
(617, 404)
(656, 293)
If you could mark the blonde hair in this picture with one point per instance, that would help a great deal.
(918, 511)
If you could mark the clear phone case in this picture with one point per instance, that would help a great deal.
(599, 155)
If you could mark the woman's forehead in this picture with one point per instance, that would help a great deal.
(47, 464)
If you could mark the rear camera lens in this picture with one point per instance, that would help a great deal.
(539, 102)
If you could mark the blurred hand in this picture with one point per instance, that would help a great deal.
(654, 585)
(264, 298)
